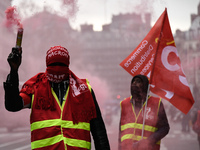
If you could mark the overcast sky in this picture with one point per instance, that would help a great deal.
(99, 12)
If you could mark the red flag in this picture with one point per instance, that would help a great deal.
(157, 58)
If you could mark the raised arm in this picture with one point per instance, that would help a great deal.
(13, 102)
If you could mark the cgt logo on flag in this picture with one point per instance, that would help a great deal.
(157, 58)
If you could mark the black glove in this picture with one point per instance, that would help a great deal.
(14, 59)
(135, 146)
(143, 144)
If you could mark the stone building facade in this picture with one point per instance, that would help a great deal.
(104, 50)
(188, 45)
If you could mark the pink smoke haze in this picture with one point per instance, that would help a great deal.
(12, 18)
(70, 6)
(65, 8)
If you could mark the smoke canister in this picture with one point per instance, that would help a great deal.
(19, 37)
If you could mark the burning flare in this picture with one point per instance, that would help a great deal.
(13, 19)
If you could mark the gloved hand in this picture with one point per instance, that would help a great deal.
(14, 59)
(143, 144)
(135, 146)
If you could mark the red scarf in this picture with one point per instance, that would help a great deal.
(78, 93)
(57, 74)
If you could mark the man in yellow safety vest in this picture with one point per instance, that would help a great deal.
(143, 123)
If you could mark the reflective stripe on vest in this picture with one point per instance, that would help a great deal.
(58, 138)
(59, 122)
(134, 137)
(138, 126)
(88, 84)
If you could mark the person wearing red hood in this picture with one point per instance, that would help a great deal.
(133, 135)
(64, 110)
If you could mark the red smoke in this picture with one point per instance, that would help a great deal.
(70, 6)
(12, 18)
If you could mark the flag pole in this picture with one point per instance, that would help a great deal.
(151, 75)
(145, 112)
